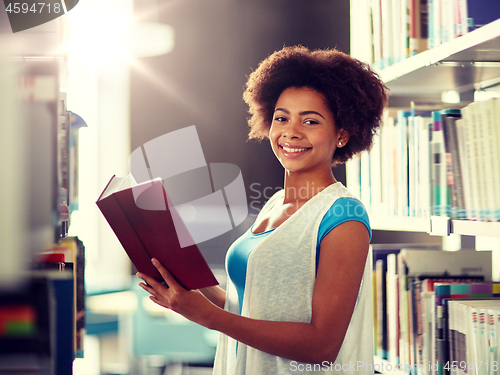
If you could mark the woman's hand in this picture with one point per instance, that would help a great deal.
(191, 304)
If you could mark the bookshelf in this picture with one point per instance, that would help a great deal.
(466, 64)
(463, 65)
(39, 138)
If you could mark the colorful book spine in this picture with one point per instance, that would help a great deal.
(442, 292)
(453, 165)
(440, 190)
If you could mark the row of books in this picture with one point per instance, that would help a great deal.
(417, 327)
(403, 28)
(42, 323)
(442, 163)
(473, 331)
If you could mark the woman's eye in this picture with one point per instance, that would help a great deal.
(280, 119)
(311, 122)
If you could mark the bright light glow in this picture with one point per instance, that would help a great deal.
(150, 39)
(451, 96)
(105, 31)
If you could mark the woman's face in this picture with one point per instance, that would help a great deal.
(303, 134)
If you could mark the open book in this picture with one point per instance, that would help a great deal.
(148, 227)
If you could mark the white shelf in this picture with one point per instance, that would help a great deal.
(460, 64)
(400, 223)
(476, 228)
(440, 226)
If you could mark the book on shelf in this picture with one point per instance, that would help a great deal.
(36, 325)
(402, 28)
(473, 330)
(442, 163)
(75, 255)
(148, 226)
(381, 348)
(427, 264)
(445, 291)
(69, 255)
(455, 199)
(392, 309)
(419, 23)
(385, 302)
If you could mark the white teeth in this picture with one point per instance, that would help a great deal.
(287, 149)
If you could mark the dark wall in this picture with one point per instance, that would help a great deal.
(217, 44)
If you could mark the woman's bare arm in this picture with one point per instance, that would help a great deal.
(215, 294)
(343, 250)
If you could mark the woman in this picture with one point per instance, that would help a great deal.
(296, 300)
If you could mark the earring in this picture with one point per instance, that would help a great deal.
(340, 144)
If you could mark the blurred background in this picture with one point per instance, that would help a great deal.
(131, 71)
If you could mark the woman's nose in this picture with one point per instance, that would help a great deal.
(292, 130)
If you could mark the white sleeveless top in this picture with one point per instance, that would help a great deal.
(279, 287)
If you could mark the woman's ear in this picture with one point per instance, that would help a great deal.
(343, 138)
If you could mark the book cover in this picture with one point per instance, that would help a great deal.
(148, 227)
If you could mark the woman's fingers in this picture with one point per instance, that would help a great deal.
(147, 288)
(169, 279)
(149, 280)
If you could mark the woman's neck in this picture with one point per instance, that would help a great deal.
(299, 188)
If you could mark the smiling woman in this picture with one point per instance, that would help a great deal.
(299, 291)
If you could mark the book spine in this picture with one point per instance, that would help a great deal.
(438, 168)
(387, 33)
(376, 175)
(478, 159)
(442, 292)
(454, 180)
(403, 123)
(392, 310)
(469, 148)
(490, 156)
(460, 125)
(365, 179)
(496, 154)
(377, 34)
(412, 165)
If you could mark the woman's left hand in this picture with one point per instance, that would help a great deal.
(191, 304)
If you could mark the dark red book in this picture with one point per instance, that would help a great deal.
(144, 224)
